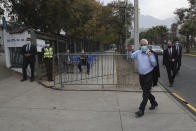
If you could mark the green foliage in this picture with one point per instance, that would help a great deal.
(79, 18)
(188, 28)
(174, 28)
(187, 20)
(1, 11)
(157, 34)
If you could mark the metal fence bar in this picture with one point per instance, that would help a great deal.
(105, 69)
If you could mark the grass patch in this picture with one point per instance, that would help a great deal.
(192, 53)
(193, 49)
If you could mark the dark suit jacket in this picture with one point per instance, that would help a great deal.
(32, 51)
(180, 51)
(66, 59)
(156, 70)
(167, 59)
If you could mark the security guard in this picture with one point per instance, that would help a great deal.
(48, 56)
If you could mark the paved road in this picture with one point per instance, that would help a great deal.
(185, 82)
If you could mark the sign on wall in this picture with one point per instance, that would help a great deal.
(40, 44)
(15, 40)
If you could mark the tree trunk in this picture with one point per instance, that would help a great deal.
(187, 44)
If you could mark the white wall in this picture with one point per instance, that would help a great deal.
(13, 40)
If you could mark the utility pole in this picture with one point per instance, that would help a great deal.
(126, 3)
(136, 25)
(136, 31)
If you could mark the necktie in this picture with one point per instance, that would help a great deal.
(68, 58)
(178, 50)
(170, 51)
(28, 47)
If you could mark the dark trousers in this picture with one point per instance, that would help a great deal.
(49, 70)
(146, 85)
(178, 63)
(171, 71)
(27, 62)
(84, 63)
(68, 67)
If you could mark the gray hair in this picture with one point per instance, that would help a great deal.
(145, 40)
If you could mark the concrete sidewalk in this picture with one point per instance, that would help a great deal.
(31, 107)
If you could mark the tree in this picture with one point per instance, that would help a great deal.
(174, 29)
(1, 11)
(155, 35)
(46, 15)
(186, 18)
(86, 19)
(120, 11)
(187, 29)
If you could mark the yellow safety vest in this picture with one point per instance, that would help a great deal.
(48, 53)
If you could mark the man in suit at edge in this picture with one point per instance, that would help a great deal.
(169, 61)
(28, 51)
(179, 55)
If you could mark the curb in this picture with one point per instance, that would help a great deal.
(188, 55)
(185, 102)
(191, 108)
(43, 83)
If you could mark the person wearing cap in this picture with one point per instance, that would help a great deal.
(47, 52)
(146, 62)
(28, 52)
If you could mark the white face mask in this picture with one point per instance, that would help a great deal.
(28, 42)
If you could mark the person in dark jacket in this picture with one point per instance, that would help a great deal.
(169, 61)
(68, 62)
(28, 51)
(84, 61)
(179, 56)
(156, 70)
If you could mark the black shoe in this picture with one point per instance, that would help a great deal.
(153, 106)
(139, 113)
(23, 80)
(171, 84)
(32, 79)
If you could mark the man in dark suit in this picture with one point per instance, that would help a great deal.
(179, 55)
(84, 61)
(28, 51)
(68, 62)
(169, 61)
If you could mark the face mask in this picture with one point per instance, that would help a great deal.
(28, 42)
(144, 48)
(177, 43)
(47, 45)
(169, 46)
